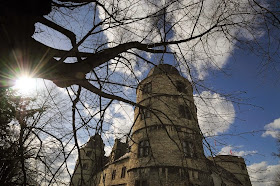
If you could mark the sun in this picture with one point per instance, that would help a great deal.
(25, 85)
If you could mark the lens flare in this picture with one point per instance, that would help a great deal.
(25, 85)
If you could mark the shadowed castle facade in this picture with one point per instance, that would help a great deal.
(165, 146)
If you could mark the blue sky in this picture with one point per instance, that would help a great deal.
(262, 91)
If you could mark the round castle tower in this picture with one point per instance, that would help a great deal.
(166, 142)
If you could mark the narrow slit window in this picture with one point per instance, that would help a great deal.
(123, 172)
(113, 174)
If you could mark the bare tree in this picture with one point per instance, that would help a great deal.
(97, 49)
(18, 117)
(277, 174)
(160, 32)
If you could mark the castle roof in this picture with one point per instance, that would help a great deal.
(163, 69)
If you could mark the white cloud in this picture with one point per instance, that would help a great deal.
(107, 150)
(128, 66)
(230, 150)
(272, 129)
(213, 49)
(121, 118)
(209, 52)
(215, 114)
(262, 174)
(89, 110)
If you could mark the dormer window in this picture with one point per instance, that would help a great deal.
(147, 88)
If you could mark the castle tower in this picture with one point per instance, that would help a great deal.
(166, 142)
(233, 164)
(92, 161)
(165, 147)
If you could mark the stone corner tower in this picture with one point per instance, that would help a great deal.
(166, 145)
(231, 164)
(92, 161)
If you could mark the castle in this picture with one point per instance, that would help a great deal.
(165, 146)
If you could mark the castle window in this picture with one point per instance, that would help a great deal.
(85, 166)
(81, 182)
(123, 172)
(144, 148)
(88, 153)
(183, 174)
(188, 149)
(113, 174)
(184, 112)
(145, 114)
(180, 86)
(147, 88)
(104, 178)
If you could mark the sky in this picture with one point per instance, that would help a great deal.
(259, 121)
(245, 97)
